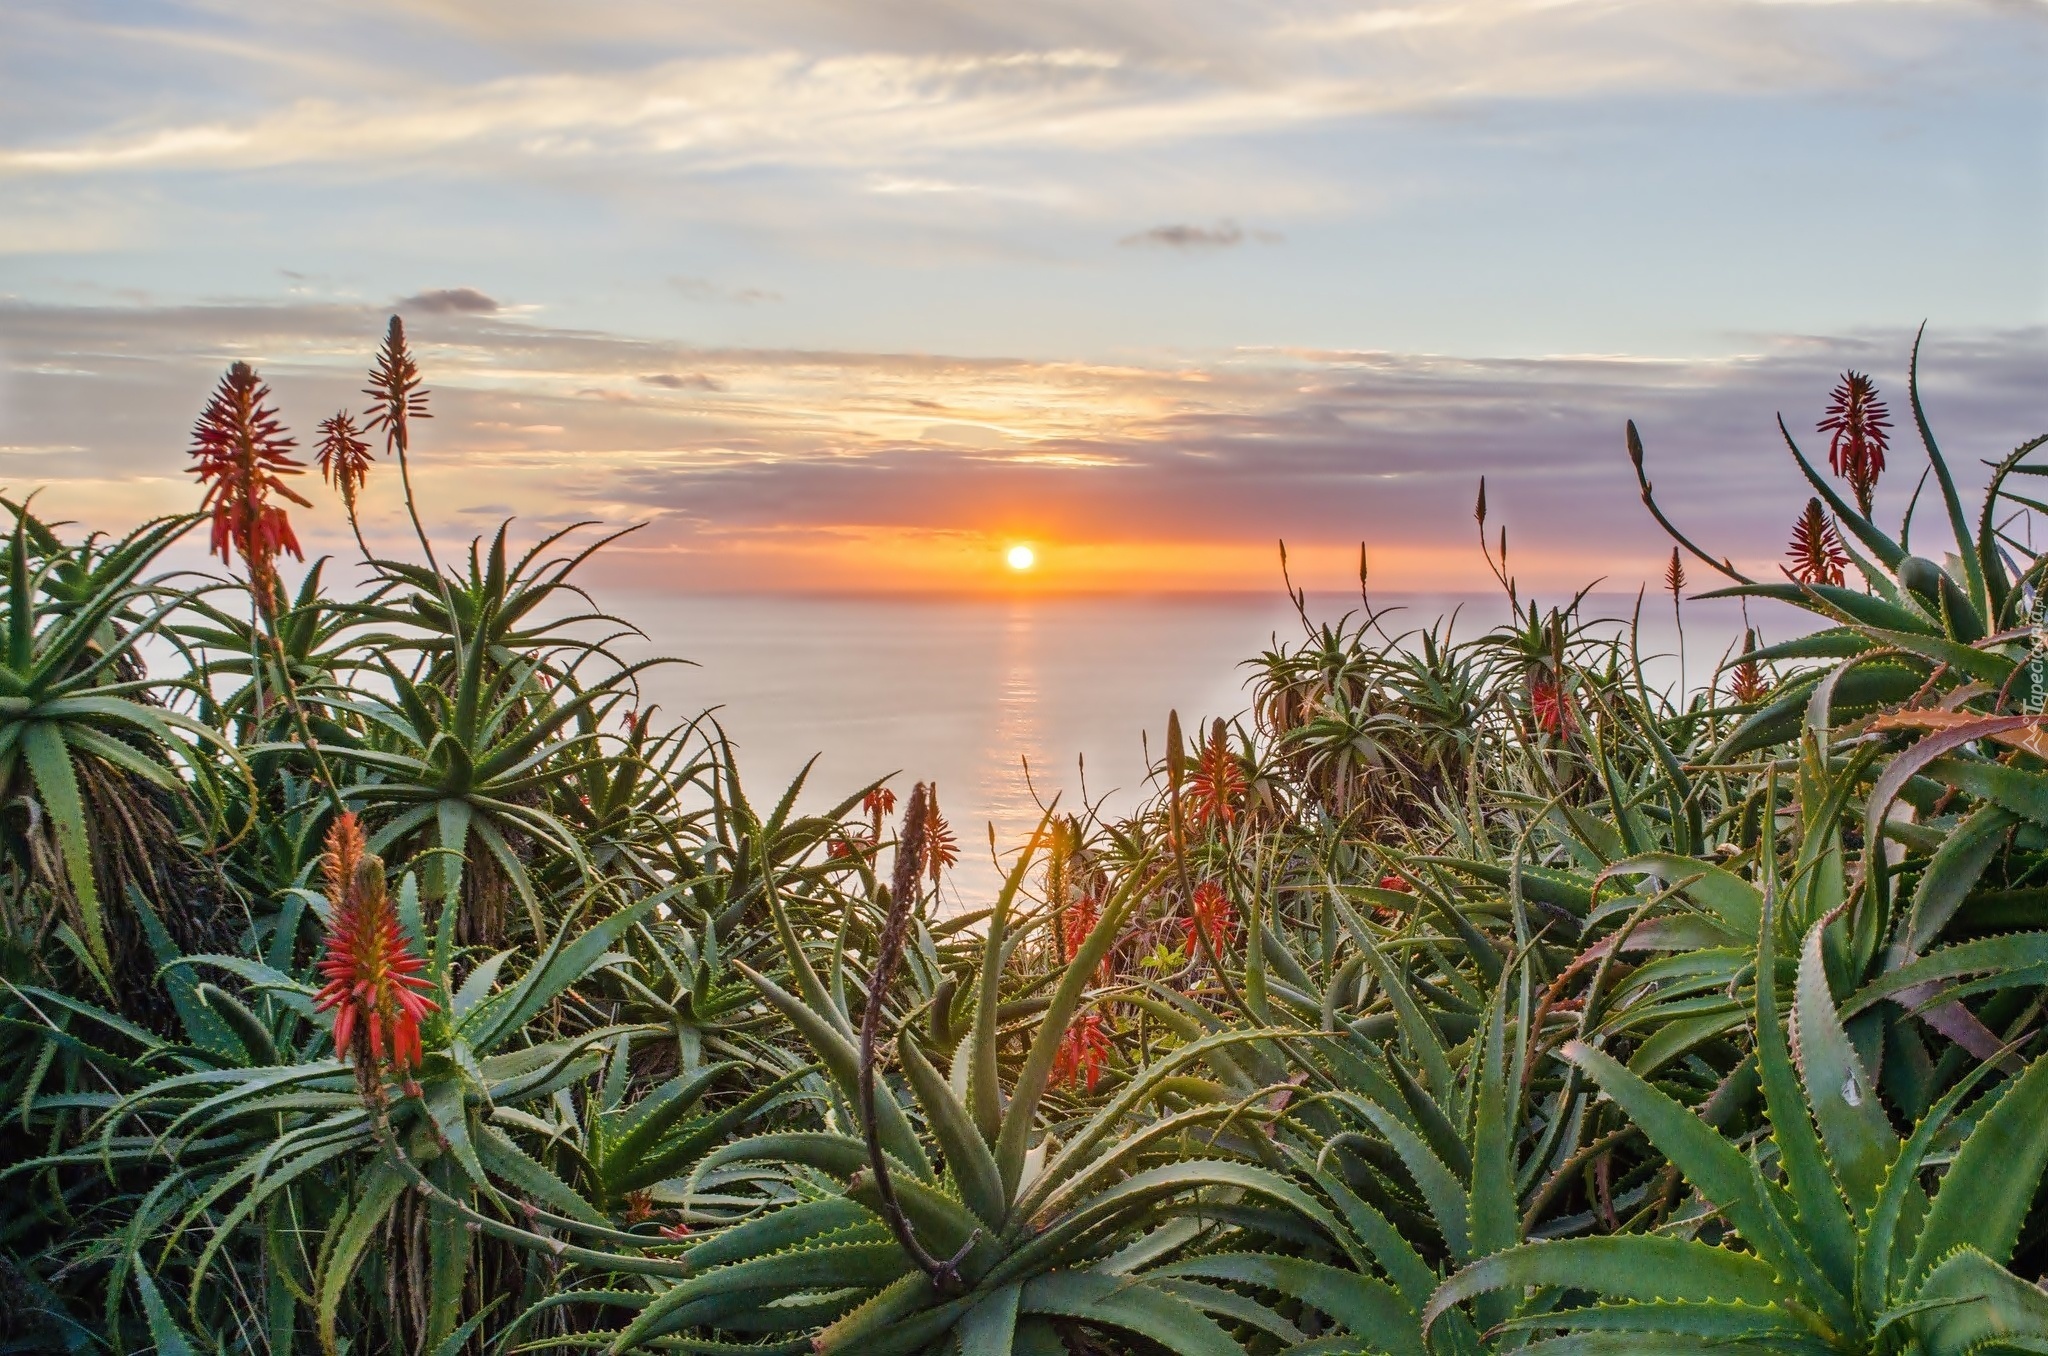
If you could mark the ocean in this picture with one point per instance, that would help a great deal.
(1005, 702)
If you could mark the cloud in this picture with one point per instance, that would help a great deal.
(683, 381)
(704, 289)
(1223, 235)
(1232, 448)
(450, 301)
(877, 94)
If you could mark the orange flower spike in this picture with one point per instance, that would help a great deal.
(1084, 1049)
(344, 455)
(241, 452)
(1081, 918)
(1816, 550)
(374, 986)
(941, 848)
(877, 805)
(1549, 707)
(1861, 429)
(1217, 784)
(1210, 913)
(1747, 683)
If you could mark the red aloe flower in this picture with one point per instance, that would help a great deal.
(1816, 549)
(1550, 708)
(1217, 783)
(344, 456)
(1860, 423)
(1390, 881)
(373, 984)
(850, 845)
(941, 848)
(675, 1231)
(1081, 918)
(1746, 684)
(877, 804)
(1084, 1049)
(1210, 915)
(240, 452)
(394, 390)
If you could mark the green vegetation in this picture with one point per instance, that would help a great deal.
(385, 975)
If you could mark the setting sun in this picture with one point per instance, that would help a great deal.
(1021, 557)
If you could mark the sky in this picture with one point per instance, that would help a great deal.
(837, 296)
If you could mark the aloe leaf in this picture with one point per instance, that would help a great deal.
(1494, 1217)
(165, 1336)
(1834, 642)
(1859, 1138)
(1970, 1304)
(564, 963)
(1865, 688)
(1421, 1034)
(2016, 955)
(1989, 1186)
(1671, 1344)
(808, 985)
(842, 1060)
(1637, 1266)
(1246, 1315)
(1954, 870)
(1966, 546)
(758, 1281)
(1019, 1120)
(503, 1157)
(1130, 1305)
(1543, 884)
(1834, 601)
(49, 762)
(669, 1155)
(376, 1192)
(960, 1142)
(1983, 665)
(1823, 1214)
(1448, 1200)
(2023, 792)
(1131, 1198)
(866, 1328)
(777, 1230)
(1989, 559)
(1715, 1167)
(647, 1120)
(984, 1093)
(1733, 902)
(1378, 1238)
(1721, 1320)
(448, 1260)
(990, 1327)
(1366, 1306)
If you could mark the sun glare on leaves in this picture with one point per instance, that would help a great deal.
(1021, 557)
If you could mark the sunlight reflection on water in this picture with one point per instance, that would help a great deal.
(964, 691)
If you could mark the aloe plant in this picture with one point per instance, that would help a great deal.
(1845, 1248)
(80, 746)
(1434, 1008)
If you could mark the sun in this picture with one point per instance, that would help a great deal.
(1021, 557)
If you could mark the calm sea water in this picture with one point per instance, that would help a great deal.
(1005, 702)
